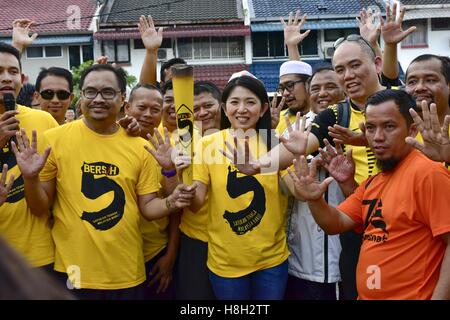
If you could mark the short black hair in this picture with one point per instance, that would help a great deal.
(57, 72)
(402, 99)
(6, 48)
(166, 87)
(209, 87)
(119, 72)
(445, 64)
(25, 96)
(166, 65)
(145, 86)
(264, 124)
(319, 69)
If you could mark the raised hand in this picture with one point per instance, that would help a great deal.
(306, 184)
(242, 159)
(21, 30)
(5, 187)
(391, 29)
(30, 162)
(340, 166)
(151, 38)
(367, 29)
(275, 110)
(344, 135)
(102, 60)
(436, 140)
(131, 125)
(297, 141)
(292, 34)
(162, 149)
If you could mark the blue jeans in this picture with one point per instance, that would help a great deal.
(267, 284)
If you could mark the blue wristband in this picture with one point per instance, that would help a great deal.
(169, 173)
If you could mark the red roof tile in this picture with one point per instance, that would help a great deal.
(218, 74)
(44, 12)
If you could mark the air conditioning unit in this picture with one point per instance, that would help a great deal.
(328, 52)
(165, 54)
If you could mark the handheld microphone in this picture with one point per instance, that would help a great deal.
(9, 102)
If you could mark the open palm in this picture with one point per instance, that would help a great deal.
(391, 29)
(28, 159)
(151, 38)
(162, 149)
(297, 141)
(307, 185)
(292, 34)
(21, 31)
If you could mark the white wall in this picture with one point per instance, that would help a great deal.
(32, 67)
(438, 43)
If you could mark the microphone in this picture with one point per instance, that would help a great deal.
(9, 102)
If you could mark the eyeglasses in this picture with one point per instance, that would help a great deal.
(49, 94)
(106, 93)
(289, 86)
(353, 37)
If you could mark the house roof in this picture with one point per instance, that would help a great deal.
(45, 13)
(180, 32)
(170, 11)
(423, 2)
(269, 10)
(427, 13)
(218, 74)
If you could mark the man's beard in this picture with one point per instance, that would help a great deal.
(387, 165)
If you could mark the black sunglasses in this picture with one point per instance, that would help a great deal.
(353, 37)
(49, 94)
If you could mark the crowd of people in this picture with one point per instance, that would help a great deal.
(333, 189)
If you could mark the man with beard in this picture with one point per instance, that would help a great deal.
(402, 211)
(293, 78)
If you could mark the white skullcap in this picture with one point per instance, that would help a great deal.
(295, 67)
(240, 74)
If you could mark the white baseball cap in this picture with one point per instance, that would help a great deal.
(295, 67)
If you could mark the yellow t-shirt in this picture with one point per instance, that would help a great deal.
(246, 224)
(155, 233)
(365, 162)
(97, 218)
(28, 234)
(194, 224)
(282, 123)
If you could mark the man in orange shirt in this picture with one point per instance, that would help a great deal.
(402, 211)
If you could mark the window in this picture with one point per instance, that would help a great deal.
(440, 24)
(53, 51)
(211, 48)
(35, 52)
(419, 37)
(331, 35)
(166, 43)
(116, 50)
(271, 45)
(44, 52)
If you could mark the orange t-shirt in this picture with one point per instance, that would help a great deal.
(402, 213)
